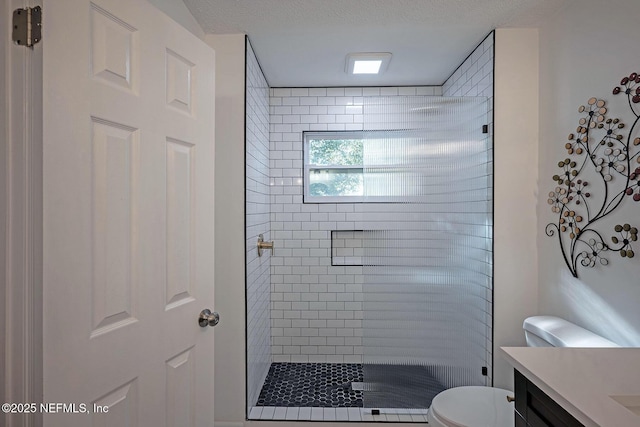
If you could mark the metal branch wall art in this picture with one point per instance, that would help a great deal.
(601, 148)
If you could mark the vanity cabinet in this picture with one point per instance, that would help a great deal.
(535, 409)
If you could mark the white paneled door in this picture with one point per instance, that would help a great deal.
(128, 216)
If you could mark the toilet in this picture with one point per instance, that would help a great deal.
(477, 406)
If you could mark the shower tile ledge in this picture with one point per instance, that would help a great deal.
(276, 413)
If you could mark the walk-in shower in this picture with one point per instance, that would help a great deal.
(377, 294)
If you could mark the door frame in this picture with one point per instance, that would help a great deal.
(21, 215)
(4, 205)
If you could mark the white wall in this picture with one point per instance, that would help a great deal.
(515, 186)
(585, 50)
(230, 345)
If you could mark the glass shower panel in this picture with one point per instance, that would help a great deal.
(427, 274)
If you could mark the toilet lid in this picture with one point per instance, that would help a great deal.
(474, 407)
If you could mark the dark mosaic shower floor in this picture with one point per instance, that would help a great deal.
(329, 385)
(324, 385)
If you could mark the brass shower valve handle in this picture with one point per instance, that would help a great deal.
(264, 245)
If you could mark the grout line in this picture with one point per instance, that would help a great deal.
(280, 413)
(329, 414)
(267, 413)
(304, 414)
(354, 414)
(292, 413)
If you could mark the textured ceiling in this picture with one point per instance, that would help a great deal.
(302, 43)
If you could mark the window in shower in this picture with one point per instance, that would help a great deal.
(364, 166)
(333, 167)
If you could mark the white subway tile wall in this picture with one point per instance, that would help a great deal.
(474, 77)
(316, 312)
(257, 222)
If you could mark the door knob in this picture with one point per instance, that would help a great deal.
(207, 318)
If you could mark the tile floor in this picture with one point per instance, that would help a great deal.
(323, 385)
(345, 392)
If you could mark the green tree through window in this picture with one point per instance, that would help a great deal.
(336, 152)
(335, 167)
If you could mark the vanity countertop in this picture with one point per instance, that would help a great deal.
(598, 386)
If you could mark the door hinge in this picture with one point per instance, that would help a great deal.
(27, 26)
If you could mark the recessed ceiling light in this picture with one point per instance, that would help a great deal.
(361, 66)
(367, 63)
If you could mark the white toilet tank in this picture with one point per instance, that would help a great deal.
(486, 406)
(551, 331)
